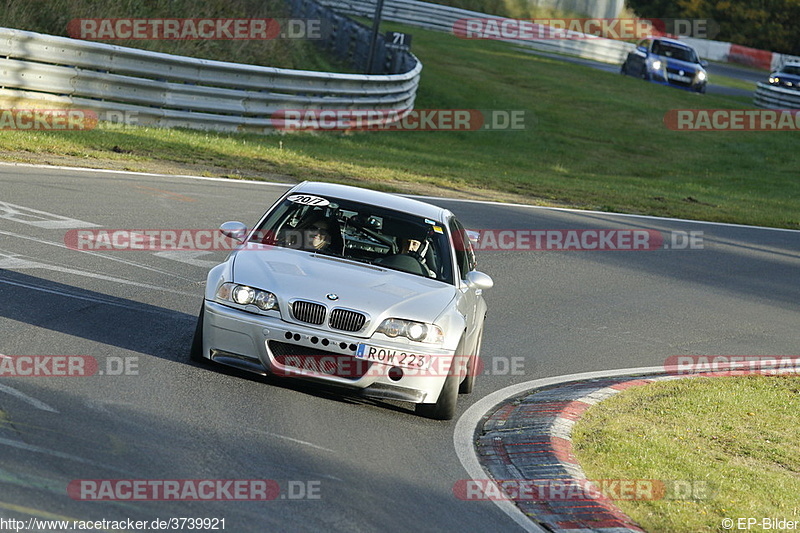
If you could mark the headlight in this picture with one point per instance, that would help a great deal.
(701, 76)
(244, 295)
(415, 331)
(657, 64)
(773, 80)
(391, 327)
(266, 300)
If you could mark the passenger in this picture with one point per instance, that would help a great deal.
(414, 248)
(411, 247)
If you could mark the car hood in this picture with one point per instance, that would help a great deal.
(381, 293)
(682, 65)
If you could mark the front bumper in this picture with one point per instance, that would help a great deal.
(269, 345)
(662, 78)
(793, 85)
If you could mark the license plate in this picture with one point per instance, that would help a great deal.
(685, 79)
(390, 356)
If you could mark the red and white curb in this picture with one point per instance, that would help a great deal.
(529, 440)
(522, 433)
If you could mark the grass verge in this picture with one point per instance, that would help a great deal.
(593, 140)
(53, 16)
(736, 434)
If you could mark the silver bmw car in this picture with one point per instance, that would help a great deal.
(353, 288)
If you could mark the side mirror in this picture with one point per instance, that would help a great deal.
(703, 63)
(234, 230)
(642, 49)
(479, 280)
(474, 237)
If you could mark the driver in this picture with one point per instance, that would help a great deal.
(318, 235)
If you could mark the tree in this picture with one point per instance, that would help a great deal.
(767, 24)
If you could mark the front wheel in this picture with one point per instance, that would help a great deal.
(473, 368)
(445, 406)
(196, 351)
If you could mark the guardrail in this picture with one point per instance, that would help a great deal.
(734, 53)
(350, 41)
(443, 18)
(148, 88)
(773, 97)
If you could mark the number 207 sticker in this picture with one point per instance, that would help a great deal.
(306, 199)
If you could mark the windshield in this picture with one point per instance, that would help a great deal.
(675, 52)
(360, 232)
(791, 69)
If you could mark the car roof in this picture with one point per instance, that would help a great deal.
(673, 41)
(377, 198)
(792, 63)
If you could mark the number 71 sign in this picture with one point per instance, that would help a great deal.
(395, 39)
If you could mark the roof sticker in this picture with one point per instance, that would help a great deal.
(307, 199)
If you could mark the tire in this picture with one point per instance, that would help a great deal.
(196, 351)
(445, 406)
(468, 384)
(624, 69)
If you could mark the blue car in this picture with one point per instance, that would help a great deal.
(668, 62)
(788, 76)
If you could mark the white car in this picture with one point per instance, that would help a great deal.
(354, 288)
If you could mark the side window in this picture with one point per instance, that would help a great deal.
(465, 255)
